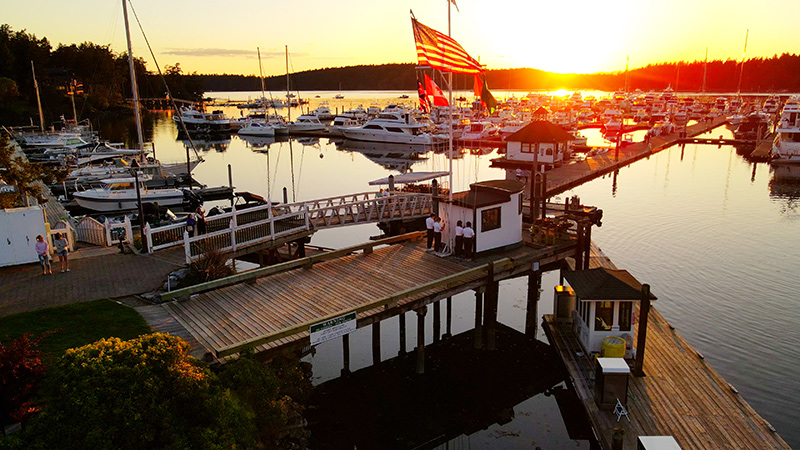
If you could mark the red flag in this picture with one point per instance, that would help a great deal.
(442, 52)
(424, 104)
(435, 92)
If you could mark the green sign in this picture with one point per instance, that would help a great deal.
(332, 328)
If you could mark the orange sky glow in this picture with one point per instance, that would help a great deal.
(578, 36)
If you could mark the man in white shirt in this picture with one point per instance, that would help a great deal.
(437, 233)
(459, 238)
(429, 225)
(469, 239)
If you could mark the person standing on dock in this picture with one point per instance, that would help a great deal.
(469, 238)
(459, 238)
(201, 221)
(43, 250)
(61, 244)
(437, 234)
(429, 226)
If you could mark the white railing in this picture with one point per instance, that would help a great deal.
(238, 236)
(237, 228)
(364, 207)
(103, 234)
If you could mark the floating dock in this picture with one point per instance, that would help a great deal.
(681, 395)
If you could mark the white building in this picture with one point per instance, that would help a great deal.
(18, 230)
(547, 142)
(495, 210)
(604, 306)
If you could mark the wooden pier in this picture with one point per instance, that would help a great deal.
(272, 308)
(568, 176)
(680, 395)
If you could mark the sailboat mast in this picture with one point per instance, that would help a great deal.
(261, 75)
(705, 69)
(38, 100)
(134, 89)
(288, 100)
(741, 71)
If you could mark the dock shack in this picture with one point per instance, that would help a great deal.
(677, 393)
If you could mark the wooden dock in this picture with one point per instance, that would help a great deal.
(566, 177)
(275, 310)
(680, 395)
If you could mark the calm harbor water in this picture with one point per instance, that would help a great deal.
(714, 236)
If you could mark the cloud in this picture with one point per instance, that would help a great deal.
(227, 53)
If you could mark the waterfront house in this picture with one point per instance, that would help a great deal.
(495, 210)
(604, 306)
(540, 141)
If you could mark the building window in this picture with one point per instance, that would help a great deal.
(490, 219)
(526, 147)
(625, 316)
(603, 316)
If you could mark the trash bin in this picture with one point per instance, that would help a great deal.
(611, 382)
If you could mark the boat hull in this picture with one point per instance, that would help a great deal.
(126, 203)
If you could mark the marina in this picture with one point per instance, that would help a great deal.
(201, 324)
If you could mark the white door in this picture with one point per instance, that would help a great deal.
(23, 225)
(6, 249)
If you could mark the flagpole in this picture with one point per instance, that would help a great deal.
(450, 225)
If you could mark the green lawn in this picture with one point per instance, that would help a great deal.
(78, 324)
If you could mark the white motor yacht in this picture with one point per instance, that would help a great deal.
(392, 128)
(786, 146)
(340, 122)
(305, 122)
(323, 112)
(257, 128)
(199, 121)
(119, 194)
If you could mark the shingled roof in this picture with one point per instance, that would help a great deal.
(605, 284)
(540, 131)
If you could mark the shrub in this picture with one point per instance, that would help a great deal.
(21, 370)
(145, 393)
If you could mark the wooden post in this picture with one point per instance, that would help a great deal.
(532, 316)
(346, 354)
(376, 342)
(641, 338)
(437, 320)
(543, 193)
(534, 171)
(588, 245)
(402, 318)
(449, 327)
(579, 247)
(490, 307)
(421, 338)
(478, 319)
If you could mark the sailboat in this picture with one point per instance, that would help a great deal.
(259, 127)
(339, 96)
(119, 194)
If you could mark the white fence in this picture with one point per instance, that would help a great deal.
(104, 234)
(237, 236)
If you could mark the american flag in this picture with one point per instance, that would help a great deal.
(442, 52)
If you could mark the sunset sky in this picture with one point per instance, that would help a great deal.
(566, 36)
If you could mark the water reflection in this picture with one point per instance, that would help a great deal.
(205, 144)
(397, 157)
(785, 187)
(465, 394)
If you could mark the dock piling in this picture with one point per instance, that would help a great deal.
(421, 338)
(534, 288)
(402, 338)
(376, 342)
(437, 320)
(346, 354)
(449, 312)
(644, 309)
(478, 319)
(490, 308)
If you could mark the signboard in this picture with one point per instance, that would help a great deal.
(332, 328)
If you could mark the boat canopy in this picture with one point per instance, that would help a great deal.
(411, 177)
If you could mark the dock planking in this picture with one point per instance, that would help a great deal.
(273, 311)
(680, 395)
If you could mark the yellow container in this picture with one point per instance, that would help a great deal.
(613, 347)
